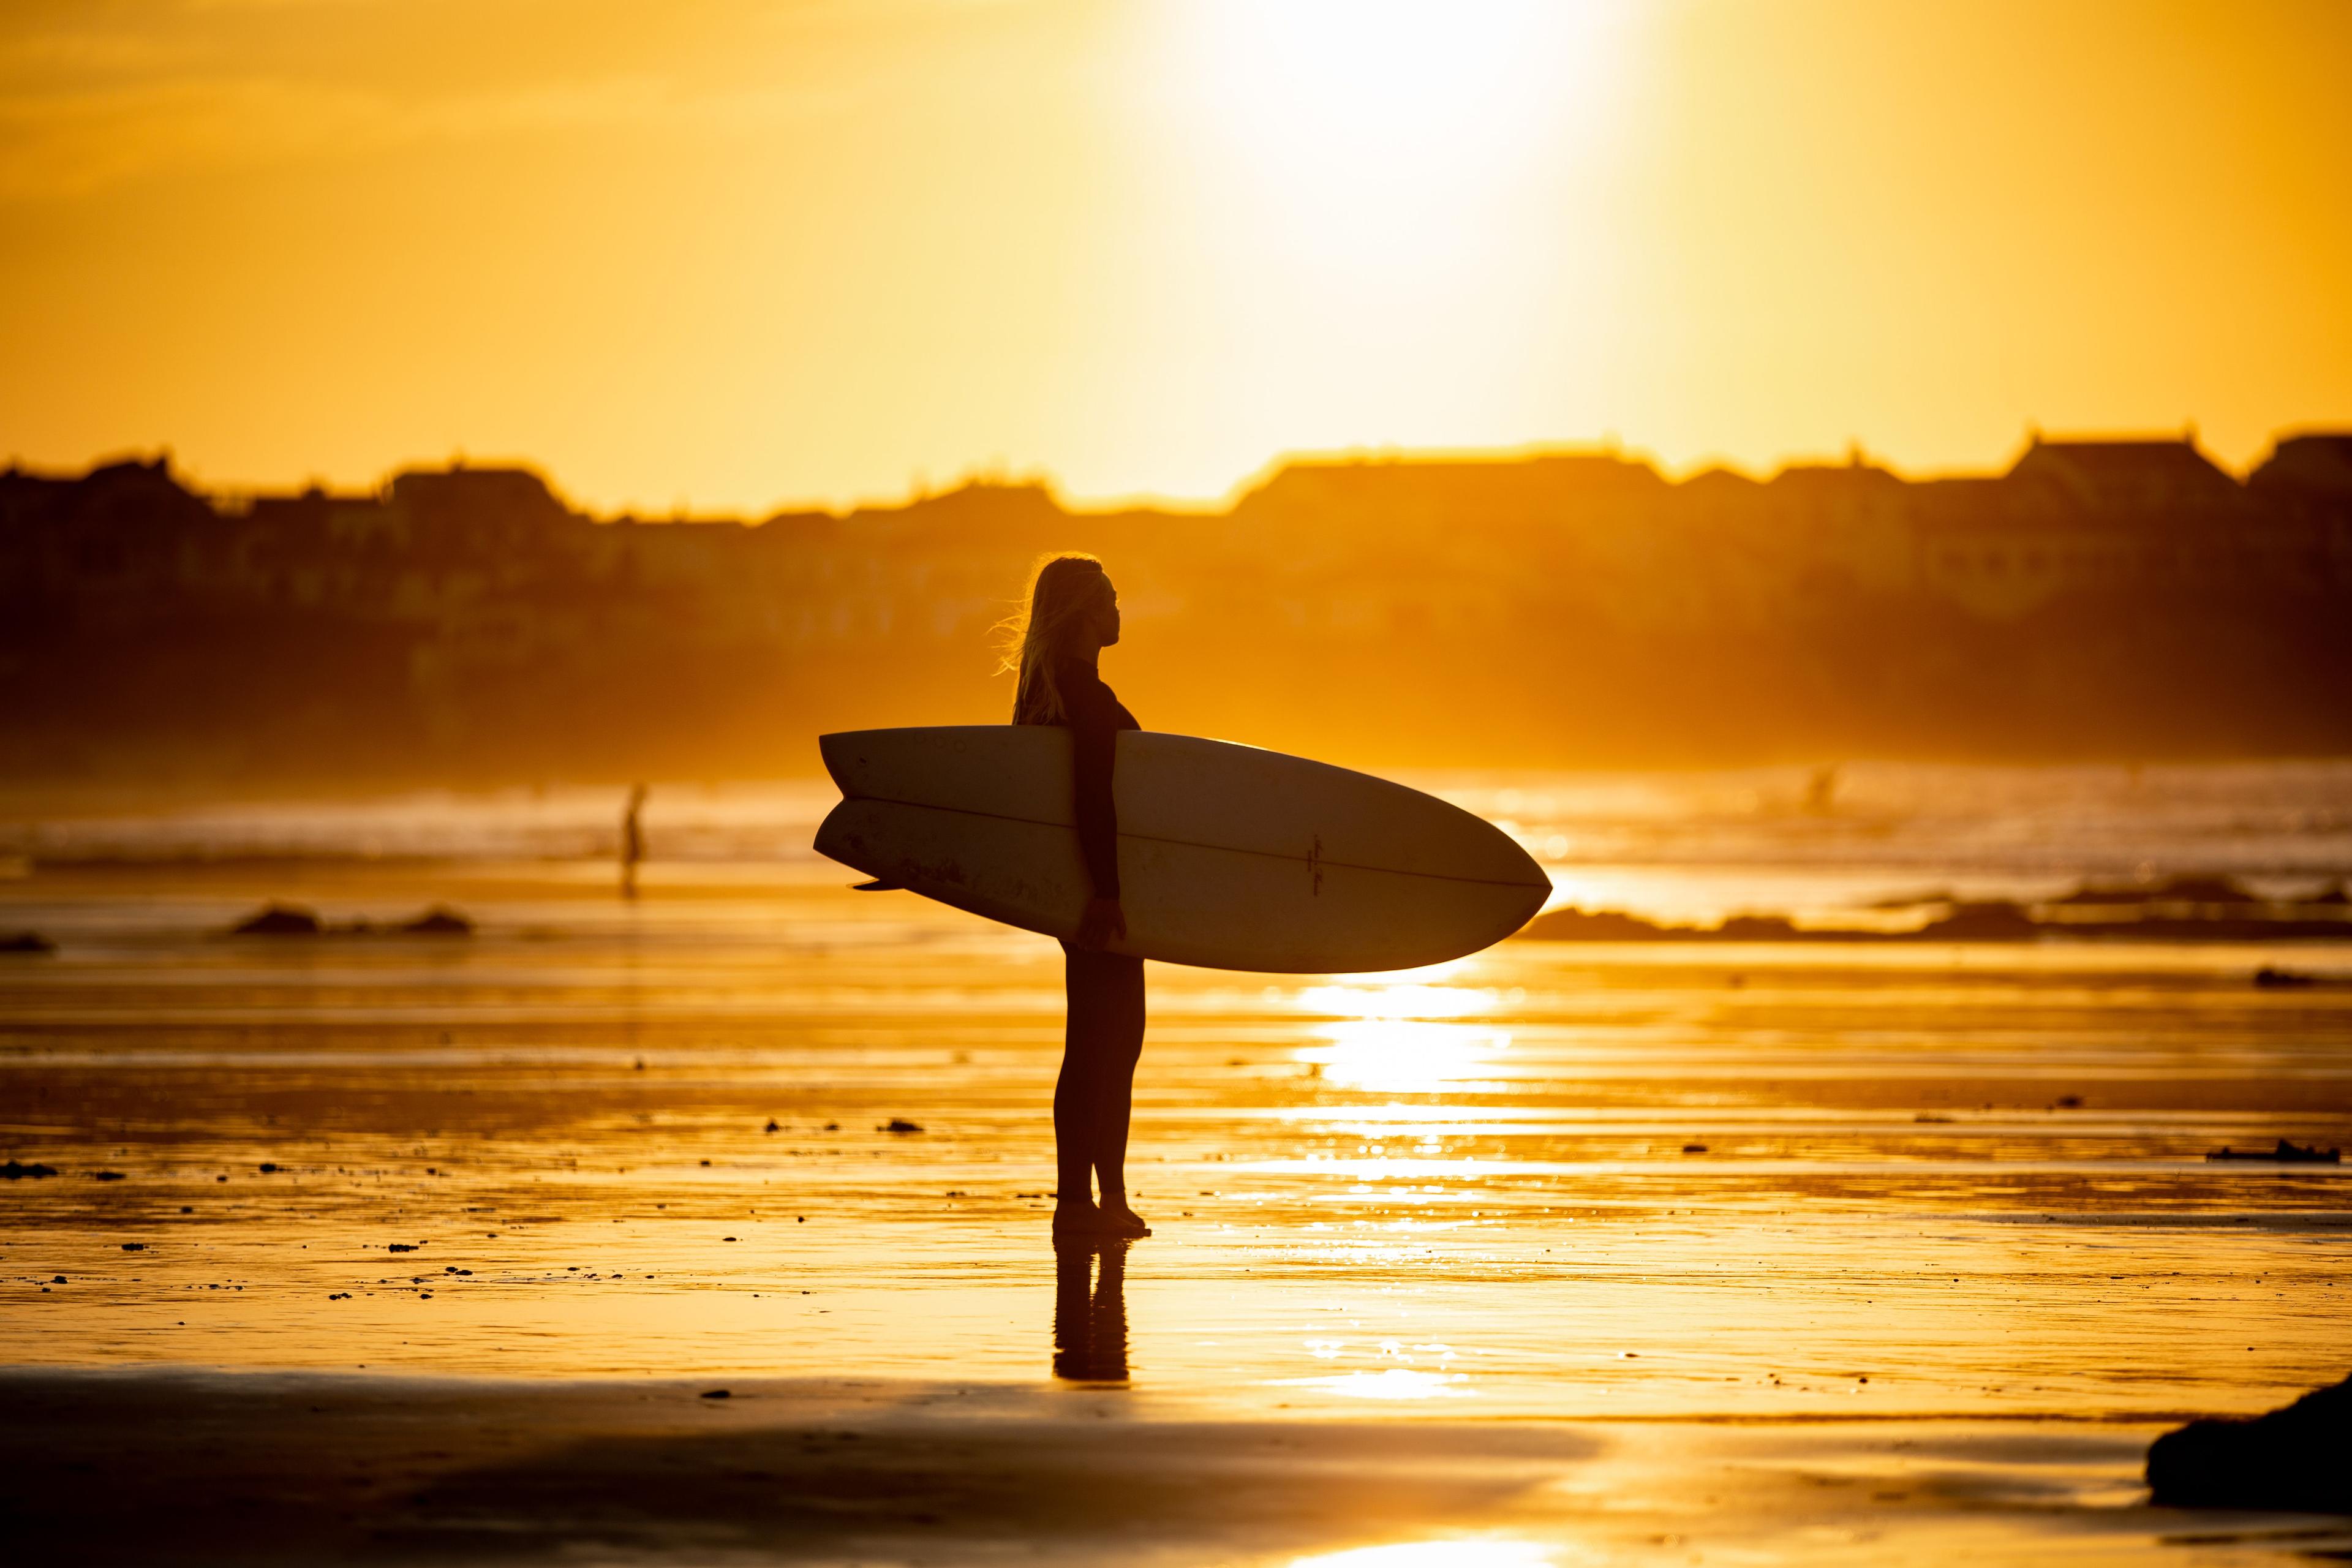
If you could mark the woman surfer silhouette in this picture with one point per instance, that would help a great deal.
(1072, 615)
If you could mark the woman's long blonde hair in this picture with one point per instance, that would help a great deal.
(1038, 634)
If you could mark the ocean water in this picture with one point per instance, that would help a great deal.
(1689, 845)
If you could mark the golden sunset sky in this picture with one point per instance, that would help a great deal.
(732, 254)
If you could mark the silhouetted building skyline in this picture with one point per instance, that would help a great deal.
(2099, 596)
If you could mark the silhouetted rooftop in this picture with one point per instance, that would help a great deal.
(463, 487)
(2128, 474)
(2319, 463)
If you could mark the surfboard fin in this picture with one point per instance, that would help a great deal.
(878, 886)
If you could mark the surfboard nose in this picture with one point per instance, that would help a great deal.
(1536, 898)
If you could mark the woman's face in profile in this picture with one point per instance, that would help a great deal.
(1106, 611)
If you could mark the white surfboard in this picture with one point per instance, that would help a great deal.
(1229, 856)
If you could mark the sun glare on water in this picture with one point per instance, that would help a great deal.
(1435, 1554)
(1409, 1036)
(1398, 1055)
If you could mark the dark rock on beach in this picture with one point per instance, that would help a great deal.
(293, 920)
(1592, 925)
(2299, 1457)
(2285, 1153)
(1992, 922)
(1998, 920)
(26, 942)
(2173, 891)
(2220, 912)
(279, 919)
(13, 1171)
(899, 1124)
(1758, 927)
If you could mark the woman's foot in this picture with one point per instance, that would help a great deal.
(1077, 1219)
(1118, 1219)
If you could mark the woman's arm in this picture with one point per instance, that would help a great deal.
(1093, 719)
(1095, 746)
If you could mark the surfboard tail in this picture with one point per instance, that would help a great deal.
(834, 750)
(837, 838)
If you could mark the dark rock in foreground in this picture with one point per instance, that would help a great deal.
(26, 942)
(2299, 1457)
(13, 1171)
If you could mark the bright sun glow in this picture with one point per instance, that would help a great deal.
(1386, 149)
(1359, 87)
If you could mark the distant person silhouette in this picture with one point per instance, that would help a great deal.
(1071, 616)
(1090, 1315)
(633, 840)
(1820, 791)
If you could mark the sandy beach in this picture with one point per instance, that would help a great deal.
(431, 1247)
(310, 1467)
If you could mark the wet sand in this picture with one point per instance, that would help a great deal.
(1527, 1255)
(309, 1468)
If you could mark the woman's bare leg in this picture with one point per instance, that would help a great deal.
(1093, 1095)
(1123, 1043)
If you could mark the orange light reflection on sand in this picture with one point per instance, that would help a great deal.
(1435, 1554)
(1387, 1037)
(1394, 1383)
(1403, 1057)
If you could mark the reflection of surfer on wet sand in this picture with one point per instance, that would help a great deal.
(1072, 615)
(1090, 1313)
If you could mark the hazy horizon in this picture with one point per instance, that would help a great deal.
(1857, 454)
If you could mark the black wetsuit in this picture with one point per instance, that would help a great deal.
(1104, 1036)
